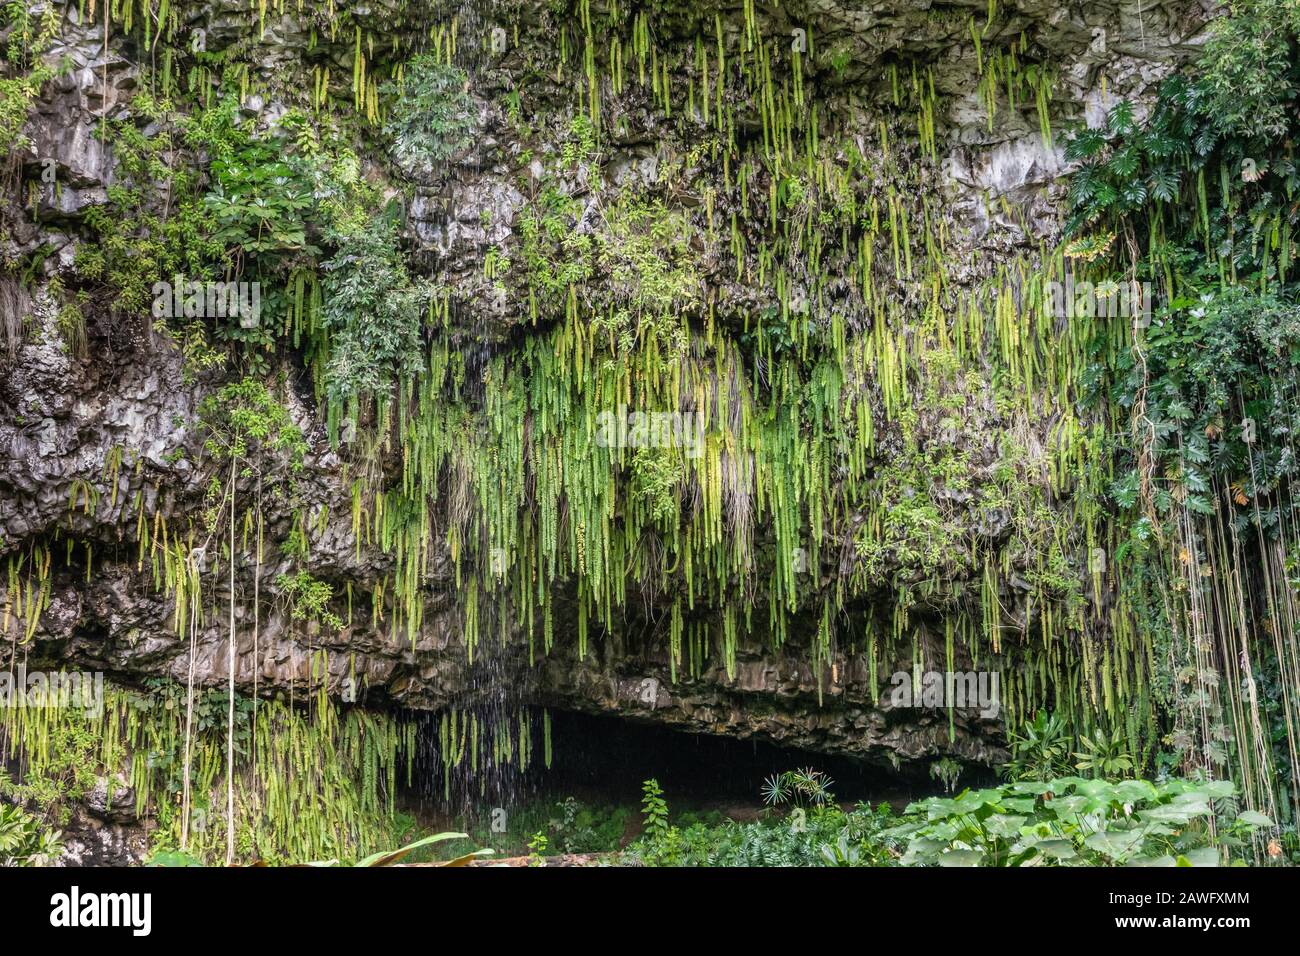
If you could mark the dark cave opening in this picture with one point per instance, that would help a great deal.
(603, 759)
(615, 755)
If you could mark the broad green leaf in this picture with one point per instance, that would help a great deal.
(1118, 845)
(389, 857)
(961, 858)
(1254, 818)
(1202, 856)
(1057, 849)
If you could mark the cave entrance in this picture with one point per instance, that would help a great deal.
(603, 760)
(595, 754)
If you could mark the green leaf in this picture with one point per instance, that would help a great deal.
(389, 857)
(1254, 818)
(1057, 849)
(1202, 856)
(961, 858)
(1118, 845)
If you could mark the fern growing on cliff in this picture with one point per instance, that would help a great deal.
(432, 114)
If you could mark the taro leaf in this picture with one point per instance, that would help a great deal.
(1057, 849)
(902, 832)
(1157, 829)
(935, 808)
(1253, 818)
(1103, 793)
(1190, 799)
(1030, 786)
(947, 830)
(974, 800)
(960, 858)
(1004, 825)
(1116, 844)
(1016, 805)
(1173, 812)
(922, 850)
(1217, 788)
(1133, 791)
(1071, 805)
(1202, 856)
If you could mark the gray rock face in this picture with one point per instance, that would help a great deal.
(65, 419)
(91, 841)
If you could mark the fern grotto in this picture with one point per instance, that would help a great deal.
(599, 433)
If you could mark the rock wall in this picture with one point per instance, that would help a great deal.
(64, 412)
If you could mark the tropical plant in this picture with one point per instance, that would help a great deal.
(372, 311)
(1106, 755)
(660, 843)
(655, 809)
(53, 786)
(799, 788)
(1073, 821)
(394, 857)
(258, 202)
(537, 847)
(1041, 750)
(308, 599)
(432, 115)
(822, 835)
(1125, 164)
(25, 840)
(1249, 74)
(947, 771)
(582, 829)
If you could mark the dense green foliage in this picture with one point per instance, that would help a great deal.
(890, 453)
(1068, 821)
(433, 114)
(314, 783)
(25, 840)
(1199, 202)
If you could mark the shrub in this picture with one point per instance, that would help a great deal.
(372, 311)
(1076, 822)
(25, 840)
(432, 116)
